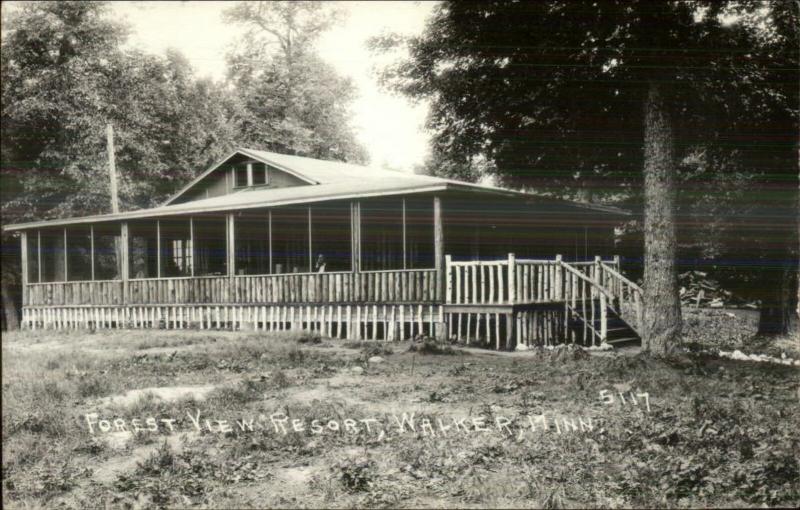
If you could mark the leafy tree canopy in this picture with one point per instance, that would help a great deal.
(65, 78)
(553, 92)
(287, 98)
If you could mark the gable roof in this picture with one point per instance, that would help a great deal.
(328, 180)
(314, 171)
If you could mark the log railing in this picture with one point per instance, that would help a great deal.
(588, 302)
(477, 282)
(510, 281)
(106, 292)
(628, 297)
(394, 286)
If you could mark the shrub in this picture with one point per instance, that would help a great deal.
(355, 475)
(309, 337)
(296, 356)
(429, 346)
(91, 386)
(161, 460)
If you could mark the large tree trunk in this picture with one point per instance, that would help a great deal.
(776, 305)
(662, 310)
(9, 308)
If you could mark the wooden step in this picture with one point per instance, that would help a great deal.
(616, 342)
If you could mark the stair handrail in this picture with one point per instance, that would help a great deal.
(606, 298)
(636, 296)
(582, 276)
(622, 277)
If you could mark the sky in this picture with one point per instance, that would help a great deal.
(389, 126)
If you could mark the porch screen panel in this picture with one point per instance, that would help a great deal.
(419, 233)
(33, 256)
(53, 255)
(252, 243)
(290, 240)
(382, 234)
(211, 250)
(79, 253)
(107, 248)
(142, 249)
(462, 230)
(176, 247)
(330, 237)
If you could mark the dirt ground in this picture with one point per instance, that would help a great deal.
(221, 419)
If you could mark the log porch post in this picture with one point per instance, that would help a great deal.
(438, 251)
(191, 243)
(24, 268)
(158, 248)
(39, 256)
(124, 263)
(66, 265)
(91, 248)
(231, 245)
(269, 230)
(355, 235)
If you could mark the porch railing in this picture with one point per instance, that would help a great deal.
(513, 280)
(394, 286)
(589, 290)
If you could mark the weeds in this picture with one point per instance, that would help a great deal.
(429, 346)
(720, 433)
(356, 475)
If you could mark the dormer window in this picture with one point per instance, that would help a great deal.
(260, 174)
(250, 174)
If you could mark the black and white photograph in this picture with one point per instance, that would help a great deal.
(400, 254)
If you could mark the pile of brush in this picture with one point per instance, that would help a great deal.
(700, 291)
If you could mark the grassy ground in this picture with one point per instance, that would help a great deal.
(718, 433)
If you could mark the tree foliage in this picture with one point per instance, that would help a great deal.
(553, 91)
(65, 78)
(287, 98)
(555, 94)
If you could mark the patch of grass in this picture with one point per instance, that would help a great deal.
(309, 337)
(429, 346)
(720, 432)
(356, 475)
(92, 386)
(160, 461)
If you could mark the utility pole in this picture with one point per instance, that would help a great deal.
(112, 168)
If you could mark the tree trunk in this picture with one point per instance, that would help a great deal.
(662, 311)
(9, 308)
(776, 306)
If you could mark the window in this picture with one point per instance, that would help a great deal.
(382, 234)
(79, 253)
(240, 175)
(252, 243)
(176, 247)
(107, 248)
(211, 250)
(53, 261)
(260, 174)
(33, 256)
(290, 240)
(419, 233)
(142, 249)
(250, 174)
(330, 237)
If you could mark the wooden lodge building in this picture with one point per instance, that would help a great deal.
(274, 242)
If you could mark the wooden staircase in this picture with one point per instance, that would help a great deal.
(512, 301)
(618, 332)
